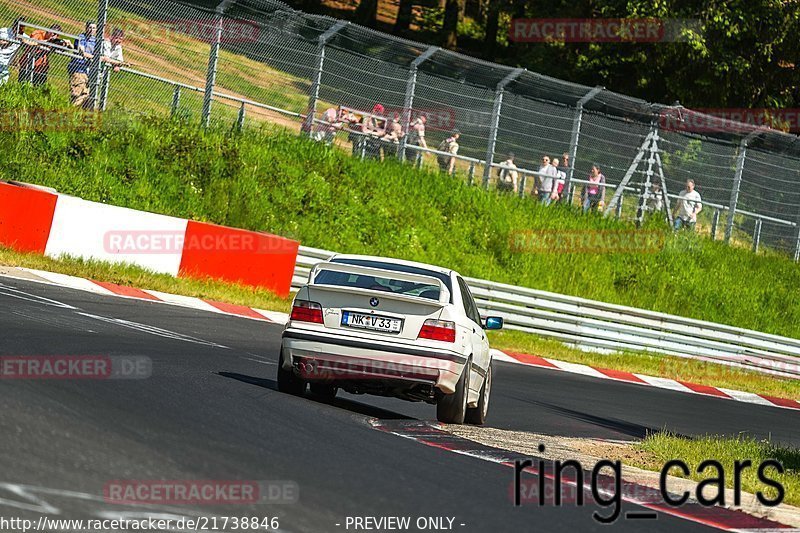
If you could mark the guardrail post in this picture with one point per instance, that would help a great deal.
(757, 235)
(176, 100)
(94, 67)
(737, 182)
(240, 118)
(471, 174)
(308, 124)
(714, 224)
(213, 58)
(522, 181)
(495, 124)
(576, 133)
(618, 210)
(411, 89)
(648, 175)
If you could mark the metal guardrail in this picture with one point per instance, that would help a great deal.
(599, 326)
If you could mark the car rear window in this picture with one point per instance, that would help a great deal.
(377, 283)
(400, 268)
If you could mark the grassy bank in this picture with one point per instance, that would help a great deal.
(268, 179)
(662, 447)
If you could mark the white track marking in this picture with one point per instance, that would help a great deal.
(577, 369)
(185, 301)
(72, 282)
(748, 397)
(145, 328)
(663, 383)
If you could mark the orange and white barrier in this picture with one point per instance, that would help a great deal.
(34, 220)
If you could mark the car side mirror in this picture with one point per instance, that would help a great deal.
(493, 322)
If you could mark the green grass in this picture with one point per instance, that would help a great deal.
(662, 447)
(269, 179)
(133, 276)
(651, 364)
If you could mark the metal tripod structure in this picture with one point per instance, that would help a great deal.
(649, 147)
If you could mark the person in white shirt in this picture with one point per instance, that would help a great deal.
(547, 181)
(688, 206)
(508, 178)
(111, 53)
(561, 177)
(7, 50)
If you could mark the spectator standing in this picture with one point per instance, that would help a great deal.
(594, 193)
(561, 177)
(416, 137)
(374, 127)
(563, 168)
(508, 177)
(547, 179)
(7, 50)
(450, 146)
(78, 68)
(34, 64)
(688, 206)
(111, 53)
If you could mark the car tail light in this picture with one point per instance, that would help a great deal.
(305, 311)
(438, 330)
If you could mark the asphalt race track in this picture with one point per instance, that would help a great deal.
(210, 410)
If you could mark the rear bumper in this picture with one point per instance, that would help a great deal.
(317, 356)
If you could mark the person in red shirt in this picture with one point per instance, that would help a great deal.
(34, 61)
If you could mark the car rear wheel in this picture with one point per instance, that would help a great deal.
(452, 408)
(477, 415)
(323, 390)
(288, 382)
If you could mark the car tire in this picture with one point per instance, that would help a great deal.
(323, 390)
(477, 415)
(288, 382)
(452, 408)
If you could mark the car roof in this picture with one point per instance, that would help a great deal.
(380, 259)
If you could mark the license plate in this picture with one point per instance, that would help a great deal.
(373, 322)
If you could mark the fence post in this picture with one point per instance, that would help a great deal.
(495, 124)
(648, 174)
(308, 123)
(522, 182)
(618, 210)
(240, 118)
(757, 235)
(411, 89)
(106, 77)
(714, 224)
(576, 133)
(797, 244)
(737, 182)
(94, 68)
(213, 58)
(471, 174)
(176, 100)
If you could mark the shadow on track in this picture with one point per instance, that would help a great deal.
(342, 403)
(637, 431)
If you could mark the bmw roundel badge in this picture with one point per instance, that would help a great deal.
(374, 302)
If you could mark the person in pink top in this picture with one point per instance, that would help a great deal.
(594, 193)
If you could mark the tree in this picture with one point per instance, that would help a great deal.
(453, 9)
(366, 13)
(404, 15)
